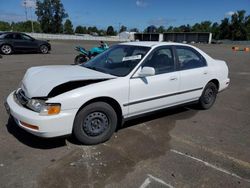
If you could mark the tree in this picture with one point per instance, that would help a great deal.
(239, 31)
(247, 25)
(170, 29)
(25, 26)
(4, 26)
(185, 28)
(50, 14)
(123, 28)
(68, 27)
(110, 31)
(204, 26)
(81, 29)
(160, 29)
(215, 31)
(93, 30)
(134, 30)
(151, 29)
(225, 31)
(102, 32)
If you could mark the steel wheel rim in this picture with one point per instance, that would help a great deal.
(6, 49)
(95, 124)
(209, 96)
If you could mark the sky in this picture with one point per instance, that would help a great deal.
(133, 13)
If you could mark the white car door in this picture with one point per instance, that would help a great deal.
(158, 91)
(194, 74)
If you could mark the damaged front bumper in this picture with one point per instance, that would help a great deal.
(42, 126)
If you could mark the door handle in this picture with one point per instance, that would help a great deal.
(173, 78)
(205, 72)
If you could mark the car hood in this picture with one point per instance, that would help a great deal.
(39, 81)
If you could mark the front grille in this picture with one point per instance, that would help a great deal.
(21, 98)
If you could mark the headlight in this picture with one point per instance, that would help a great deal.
(43, 108)
(35, 104)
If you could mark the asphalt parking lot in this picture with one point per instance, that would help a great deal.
(181, 147)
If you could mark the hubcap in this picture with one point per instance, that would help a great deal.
(209, 96)
(6, 49)
(95, 124)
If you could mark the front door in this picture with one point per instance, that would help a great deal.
(24, 42)
(157, 91)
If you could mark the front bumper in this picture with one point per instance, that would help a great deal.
(48, 126)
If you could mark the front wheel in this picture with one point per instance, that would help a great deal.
(95, 123)
(44, 49)
(79, 59)
(6, 49)
(208, 96)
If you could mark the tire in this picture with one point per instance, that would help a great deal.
(208, 96)
(44, 49)
(6, 49)
(95, 123)
(80, 59)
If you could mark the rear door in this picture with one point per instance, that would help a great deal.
(194, 74)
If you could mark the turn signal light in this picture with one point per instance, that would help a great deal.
(29, 125)
(52, 110)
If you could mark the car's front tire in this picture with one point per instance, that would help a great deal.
(6, 49)
(208, 96)
(95, 123)
(44, 49)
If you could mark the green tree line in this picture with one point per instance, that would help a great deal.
(235, 28)
(51, 16)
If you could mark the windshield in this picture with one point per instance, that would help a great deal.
(119, 60)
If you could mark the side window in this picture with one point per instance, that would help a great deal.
(162, 60)
(9, 36)
(18, 36)
(26, 37)
(189, 59)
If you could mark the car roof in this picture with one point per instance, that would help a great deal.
(152, 43)
(9, 32)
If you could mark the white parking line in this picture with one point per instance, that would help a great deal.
(210, 165)
(149, 179)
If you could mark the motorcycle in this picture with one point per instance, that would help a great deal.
(86, 55)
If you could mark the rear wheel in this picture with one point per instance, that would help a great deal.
(6, 49)
(208, 96)
(44, 49)
(95, 123)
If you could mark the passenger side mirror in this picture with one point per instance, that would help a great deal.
(147, 71)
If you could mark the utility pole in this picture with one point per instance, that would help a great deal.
(29, 4)
(25, 9)
(32, 26)
(119, 28)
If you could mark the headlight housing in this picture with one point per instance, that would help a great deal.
(43, 108)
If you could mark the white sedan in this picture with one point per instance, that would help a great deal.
(92, 100)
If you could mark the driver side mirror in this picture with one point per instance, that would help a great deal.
(147, 71)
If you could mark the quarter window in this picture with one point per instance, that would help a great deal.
(161, 60)
(189, 58)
